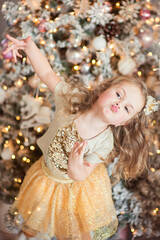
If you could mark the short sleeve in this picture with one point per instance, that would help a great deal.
(99, 148)
(59, 94)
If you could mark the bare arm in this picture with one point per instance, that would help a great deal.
(38, 61)
(78, 169)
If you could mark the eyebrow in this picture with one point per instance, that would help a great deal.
(124, 92)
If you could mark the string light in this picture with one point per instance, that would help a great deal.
(18, 141)
(98, 63)
(93, 61)
(139, 73)
(47, 6)
(18, 118)
(21, 147)
(58, 8)
(84, 48)
(153, 170)
(158, 151)
(5, 87)
(132, 229)
(150, 54)
(13, 156)
(76, 67)
(42, 42)
(32, 147)
(118, 4)
(39, 129)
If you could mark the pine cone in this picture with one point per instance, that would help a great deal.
(109, 30)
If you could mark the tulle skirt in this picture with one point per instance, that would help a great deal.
(65, 210)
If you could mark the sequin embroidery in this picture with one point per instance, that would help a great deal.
(60, 147)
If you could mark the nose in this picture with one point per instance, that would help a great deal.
(117, 104)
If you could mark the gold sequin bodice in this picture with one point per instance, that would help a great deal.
(60, 147)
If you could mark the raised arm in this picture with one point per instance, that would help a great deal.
(38, 61)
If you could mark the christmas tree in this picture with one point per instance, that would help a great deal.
(85, 41)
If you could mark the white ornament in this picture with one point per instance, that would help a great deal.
(43, 115)
(126, 65)
(2, 95)
(74, 55)
(99, 42)
(6, 154)
(34, 81)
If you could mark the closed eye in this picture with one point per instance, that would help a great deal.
(126, 109)
(118, 95)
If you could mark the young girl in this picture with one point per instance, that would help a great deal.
(66, 193)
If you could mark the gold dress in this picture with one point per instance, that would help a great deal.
(49, 203)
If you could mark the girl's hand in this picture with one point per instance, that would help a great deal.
(17, 45)
(77, 153)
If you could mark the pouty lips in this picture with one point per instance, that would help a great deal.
(114, 108)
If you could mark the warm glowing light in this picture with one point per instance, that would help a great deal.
(154, 212)
(32, 147)
(13, 156)
(118, 4)
(35, 20)
(28, 160)
(84, 48)
(19, 83)
(71, 13)
(157, 19)
(20, 134)
(112, 54)
(98, 63)
(132, 230)
(139, 73)
(18, 118)
(20, 8)
(88, 19)
(29, 212)
(132, 53)
(153, 170)
(5, 87)
(39, 129)
(93, 61)
(21, 147)
(18, 141)
(58, 8)
(42, 42)
(76, 67)
(47, 6)
(111, 46)
(29, 16)
(24, 159)
(158, 151)
(150, 54)
(5, 129)
(55, 30)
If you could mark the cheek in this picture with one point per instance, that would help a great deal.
(106, 98)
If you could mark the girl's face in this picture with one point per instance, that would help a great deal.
(120, 103)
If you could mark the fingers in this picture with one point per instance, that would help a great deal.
(79, 147)
(14, 55)
(9, 49)
(12, 39)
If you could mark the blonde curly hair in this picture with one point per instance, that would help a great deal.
(130, 140)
